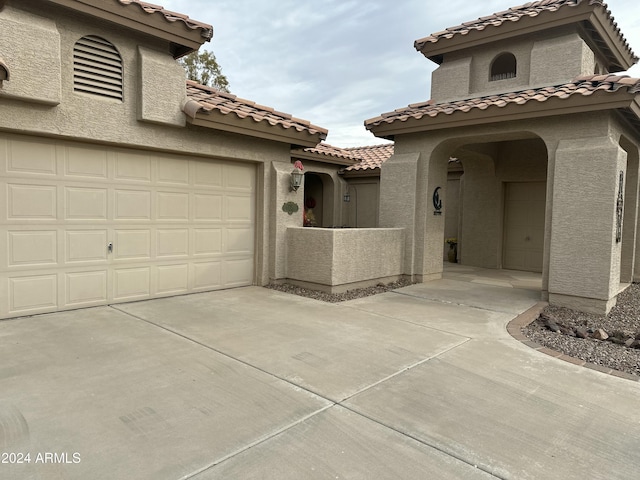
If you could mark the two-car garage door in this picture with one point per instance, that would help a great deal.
(84, 225)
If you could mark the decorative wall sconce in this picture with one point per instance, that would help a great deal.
(346, 197)
(297, 177)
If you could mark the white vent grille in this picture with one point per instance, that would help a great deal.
(97, 68)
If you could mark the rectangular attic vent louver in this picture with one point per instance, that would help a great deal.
(97, 68)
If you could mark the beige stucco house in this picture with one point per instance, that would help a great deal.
(548, 143)
(119, 180)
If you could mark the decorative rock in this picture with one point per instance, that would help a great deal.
(550, 323)
(629, 342)
(600, 334)
(552, 326)
(582, 332)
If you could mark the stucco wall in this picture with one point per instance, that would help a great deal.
(553, 57)
(583, 243)
(152, 81)
(37, 42)
(38, 79)
(337, 257)
(516, 151)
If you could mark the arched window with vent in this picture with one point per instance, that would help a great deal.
(503, 66)
(97, 68)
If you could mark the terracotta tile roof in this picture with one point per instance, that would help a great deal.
(203, 99)
(514, 14)
(356, 158)
(207, 30)
(585, 86)
(370, 157)
(327, 150)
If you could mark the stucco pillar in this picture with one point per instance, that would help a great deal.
(283, 215)
(429, 219)
(630, 226)
(584, 270)
(398, 196)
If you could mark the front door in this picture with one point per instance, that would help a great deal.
(524, 214)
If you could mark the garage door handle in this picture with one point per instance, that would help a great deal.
(110, 247)
(527, 239)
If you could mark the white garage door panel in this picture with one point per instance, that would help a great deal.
(31, 202)
(177, 225)
(86, 246)
(32, 292)
(33, 247)
(83, 288)
(173, 279)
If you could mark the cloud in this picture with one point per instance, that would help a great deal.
(340, 62)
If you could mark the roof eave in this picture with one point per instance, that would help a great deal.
(617, 47)
(247, 126)
(512, 112)
(504, 31)
(595, 15)
(182, 38)
(361, 173)
(323, 158)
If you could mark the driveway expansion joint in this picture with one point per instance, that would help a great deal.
(331, 403)
(447, 302)
(422, 441)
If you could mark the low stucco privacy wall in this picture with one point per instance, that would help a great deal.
(339, 259)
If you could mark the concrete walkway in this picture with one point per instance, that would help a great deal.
(423, 382)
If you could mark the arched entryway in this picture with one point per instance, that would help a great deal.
(318, 200)
(630, 211)
(495, 204)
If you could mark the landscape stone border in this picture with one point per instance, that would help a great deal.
(515, 326)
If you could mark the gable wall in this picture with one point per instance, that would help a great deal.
(39, 98)
(549, 58)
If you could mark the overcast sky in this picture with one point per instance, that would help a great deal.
(337, 63)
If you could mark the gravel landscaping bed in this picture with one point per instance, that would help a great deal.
(612, 341)
(340, 297)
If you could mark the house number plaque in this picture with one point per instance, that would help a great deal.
(620, 208)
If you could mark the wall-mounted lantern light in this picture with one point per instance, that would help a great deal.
(346, 197)
(297, 177)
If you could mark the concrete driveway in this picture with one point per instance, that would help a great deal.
(251, 383)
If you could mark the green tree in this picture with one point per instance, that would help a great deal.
(202, 67)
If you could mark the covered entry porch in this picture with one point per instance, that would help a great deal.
(556, 195)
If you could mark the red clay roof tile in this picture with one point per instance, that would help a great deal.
(585, 86)
(331, 151)
(371, 157)
(366, 158)
(208, 99)
(514, 14)
(207, 30)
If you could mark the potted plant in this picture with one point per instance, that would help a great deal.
(452, 255)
